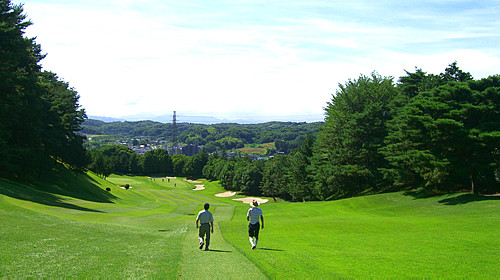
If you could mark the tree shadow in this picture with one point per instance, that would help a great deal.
(271, 249)
(467, 198)
(420, 193)
(23, 193)
(57, 182)
(76, 185)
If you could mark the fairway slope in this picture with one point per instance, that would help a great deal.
(146, 231)
(76, 229)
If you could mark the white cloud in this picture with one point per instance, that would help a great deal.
(130, 57)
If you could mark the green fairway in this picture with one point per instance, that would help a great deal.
(73, 228)
(378, 236)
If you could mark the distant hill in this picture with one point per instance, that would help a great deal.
(291, 133)
(106, 119)
(197, 119)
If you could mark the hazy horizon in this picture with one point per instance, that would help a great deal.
(208, 119)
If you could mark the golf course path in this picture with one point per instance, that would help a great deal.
(223, 261)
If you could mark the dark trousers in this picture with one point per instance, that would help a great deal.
(253, 230)
(205, 230)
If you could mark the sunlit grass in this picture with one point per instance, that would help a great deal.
(73, 228)
(382, 236)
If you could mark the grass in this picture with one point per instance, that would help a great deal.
(72, 228)
(380, 236)
(258, 149)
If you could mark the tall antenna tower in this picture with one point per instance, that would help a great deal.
(174, 130)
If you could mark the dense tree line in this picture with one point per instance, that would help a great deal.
(39, 113)
(120, 159)
(225, 136)
(439, 133)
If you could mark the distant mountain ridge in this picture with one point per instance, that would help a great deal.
(212, 120)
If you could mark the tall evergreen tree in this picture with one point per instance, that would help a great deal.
(274, 179)
(300, 184)
(39, 114)
(20, 128)
(444, 137)
(347, 160)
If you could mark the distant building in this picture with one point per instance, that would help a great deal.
(188, 150)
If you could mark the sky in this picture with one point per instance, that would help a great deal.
(265, 60)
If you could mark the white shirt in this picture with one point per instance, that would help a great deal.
(205, 217)
(254, 213)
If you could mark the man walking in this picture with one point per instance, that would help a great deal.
(254, 226)
(207, 225)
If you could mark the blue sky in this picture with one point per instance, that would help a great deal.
(272, 60)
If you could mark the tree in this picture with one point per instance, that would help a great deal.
(195, 164)
(39, 114)
(99, 164)
(446, 138)
(62, 119)
(300, 185)
(157, 161)
(227, 174)
(347, 160)
(20, 128)
(454, 74)
(134, 166)
(178, 162)
(247, 178)
(151, 163)
(274, 177)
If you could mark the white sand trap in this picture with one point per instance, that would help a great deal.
(194, 182)
(250, 199)
(170, 177)
(199, 187)
(125, 188)
(225, 194)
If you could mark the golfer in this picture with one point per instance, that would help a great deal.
(207, 224)
(253, 227)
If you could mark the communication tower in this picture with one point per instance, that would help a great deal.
(175, 144)
(174, 129)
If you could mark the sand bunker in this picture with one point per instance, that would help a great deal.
(199, 187)
(249, 200)
(170, 177)
(125, 188)
(194, 182)
(225, 194)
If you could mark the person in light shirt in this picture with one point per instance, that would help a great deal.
(254, 226)
(207, 222)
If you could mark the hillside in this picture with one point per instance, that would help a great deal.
(72, 228)
(201, 133)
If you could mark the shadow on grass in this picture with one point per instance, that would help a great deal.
(270, 249)
(219, 251)
(56, 182)
(466, 198)
(21, 192)
(421, 193)
(456, 199)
